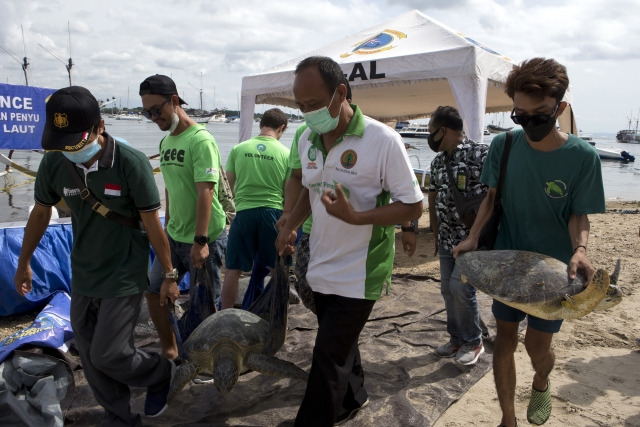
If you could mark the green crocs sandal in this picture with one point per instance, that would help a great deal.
(539, 408)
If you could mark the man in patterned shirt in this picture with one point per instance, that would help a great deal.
(465, 159)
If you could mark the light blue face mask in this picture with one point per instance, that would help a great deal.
(320, 120)
(84, 155)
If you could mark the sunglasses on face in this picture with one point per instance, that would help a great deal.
(535, 119)
(155, 111)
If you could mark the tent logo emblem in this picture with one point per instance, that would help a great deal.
(483, 47)
(378, 43)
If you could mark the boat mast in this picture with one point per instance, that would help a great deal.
(68, 65)
(200, 90)
(25, 62)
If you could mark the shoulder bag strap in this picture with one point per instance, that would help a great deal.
(95, 204)
(503, 165)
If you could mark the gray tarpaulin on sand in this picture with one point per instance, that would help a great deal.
(408, 385)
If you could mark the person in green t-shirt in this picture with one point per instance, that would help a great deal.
(257, 170)
(194, 219)
(553, 180)
(110, 256)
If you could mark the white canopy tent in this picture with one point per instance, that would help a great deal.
(399, 70)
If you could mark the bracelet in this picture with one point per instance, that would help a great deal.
(411, 227)
(580, 246)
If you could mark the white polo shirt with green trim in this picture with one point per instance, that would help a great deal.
(370, 162)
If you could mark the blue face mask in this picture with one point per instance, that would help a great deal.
(85, 154)
(320, 120)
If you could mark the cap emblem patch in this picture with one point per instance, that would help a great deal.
(60, 120)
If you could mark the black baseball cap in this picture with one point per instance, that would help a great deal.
(159, 85)
(71, 114)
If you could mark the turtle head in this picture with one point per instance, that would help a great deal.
(611, 299)
(226, 374)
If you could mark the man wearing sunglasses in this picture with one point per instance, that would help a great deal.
(110, 256)
(553, 181)
(194, 219)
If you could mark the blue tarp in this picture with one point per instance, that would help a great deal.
(51, 265)
(22, 116)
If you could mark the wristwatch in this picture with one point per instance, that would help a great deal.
(201, 240)
(173, 274)
(411, 227)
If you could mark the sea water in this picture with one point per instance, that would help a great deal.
(621, 181)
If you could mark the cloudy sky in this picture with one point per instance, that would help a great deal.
(211, 44)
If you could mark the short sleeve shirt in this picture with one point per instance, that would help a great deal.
(466, 163)
(107, 259)
(372, 165)
(261, 167)
(541, 190)
(186, 159)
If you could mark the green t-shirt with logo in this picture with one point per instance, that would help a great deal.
(540, 192)
(186, 159)
(261, 166)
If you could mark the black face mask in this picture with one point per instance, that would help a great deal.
(433, 144)
(537, 126)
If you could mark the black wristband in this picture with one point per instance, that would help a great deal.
(580, 246)
(411, 228)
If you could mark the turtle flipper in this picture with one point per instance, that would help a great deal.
(273, 366)
(185, 373)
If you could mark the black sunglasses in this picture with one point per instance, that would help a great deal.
(155, 111)
(536, 119)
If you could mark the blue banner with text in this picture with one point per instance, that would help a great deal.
(22, 116)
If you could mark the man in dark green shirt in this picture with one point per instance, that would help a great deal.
(110, 255)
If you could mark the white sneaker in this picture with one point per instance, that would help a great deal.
(468, 355)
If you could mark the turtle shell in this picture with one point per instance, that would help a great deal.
(242, 327)
(518, 276)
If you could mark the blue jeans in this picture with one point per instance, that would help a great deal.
(463, 319)
(181, 260)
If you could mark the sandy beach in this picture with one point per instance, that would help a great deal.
(596, 380)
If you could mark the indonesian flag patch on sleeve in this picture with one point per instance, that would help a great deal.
(112, 189)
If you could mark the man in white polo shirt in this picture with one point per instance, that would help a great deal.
(352, 166)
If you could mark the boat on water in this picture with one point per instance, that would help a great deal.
(414, 131)
(402, 125)
(587, 137)
(136, 117)
(486, 131)
(614, 154)
(628, 135)
(497, 129)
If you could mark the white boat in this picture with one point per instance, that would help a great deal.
(587, 137)
(218, 118)
(614, 154)
(486, 131)
(497, 129)
(414, 131)
(136, 117)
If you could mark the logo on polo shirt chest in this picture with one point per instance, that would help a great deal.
(348, 159)
(312, 153)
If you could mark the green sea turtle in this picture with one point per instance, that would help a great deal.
(232, 341)
(537, 284)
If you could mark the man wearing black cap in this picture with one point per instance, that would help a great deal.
(194, 219)
(110, 256)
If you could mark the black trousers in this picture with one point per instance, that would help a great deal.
(336, 380)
